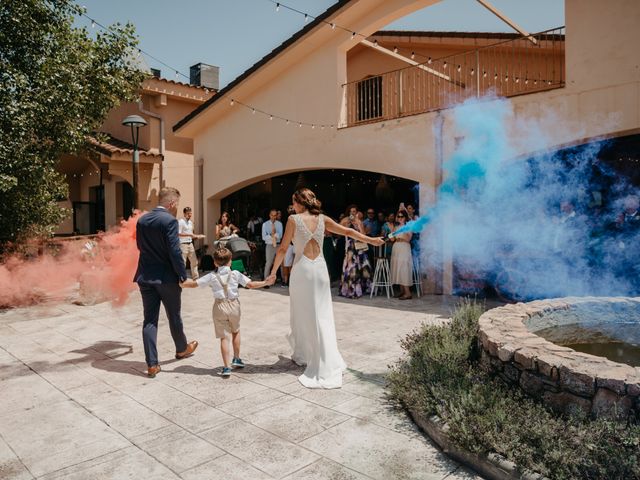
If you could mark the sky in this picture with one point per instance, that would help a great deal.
(234, 34)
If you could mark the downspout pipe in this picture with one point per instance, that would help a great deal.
(162, 140)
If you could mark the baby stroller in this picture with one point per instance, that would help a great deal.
(240, 253)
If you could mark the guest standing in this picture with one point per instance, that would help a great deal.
(160, 269)
(224, 227)
(185, 232)
(356, 269)
(271, 234)
(387, 228)
(401, 260)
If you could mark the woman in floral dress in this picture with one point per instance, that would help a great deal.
(356, 269)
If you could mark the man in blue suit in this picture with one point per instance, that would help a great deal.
(160, 271)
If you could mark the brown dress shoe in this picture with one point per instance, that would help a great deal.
(191, 347)
(152, 371)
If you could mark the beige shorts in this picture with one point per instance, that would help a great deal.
(226, 316)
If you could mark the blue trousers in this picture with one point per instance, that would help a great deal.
(169, 294)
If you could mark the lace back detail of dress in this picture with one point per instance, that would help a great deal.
(303, 235)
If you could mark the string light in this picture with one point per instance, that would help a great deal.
(333, 26)
(395, 49)
(375, 43)
(306, 18)
(277, 7)
(413, 55)
(231, 102)
(270, 117)
(95, 23)
(353, 34)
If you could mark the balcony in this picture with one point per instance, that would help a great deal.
(513, 67)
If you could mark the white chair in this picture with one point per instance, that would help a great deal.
(417, 280)
(381, 274)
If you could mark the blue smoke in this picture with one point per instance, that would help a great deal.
(531, 228)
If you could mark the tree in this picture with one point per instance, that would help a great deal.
(57, 85)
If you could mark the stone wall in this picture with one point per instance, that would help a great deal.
(562, 378)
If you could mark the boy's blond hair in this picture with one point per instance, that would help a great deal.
(222, 256)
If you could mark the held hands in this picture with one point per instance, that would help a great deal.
(271, 279)
(378, 241)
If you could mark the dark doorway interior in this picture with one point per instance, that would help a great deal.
(335, 188)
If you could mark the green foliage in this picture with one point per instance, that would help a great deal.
(440, 375)
(57, 85)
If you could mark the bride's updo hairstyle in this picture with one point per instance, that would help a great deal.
(308, 200)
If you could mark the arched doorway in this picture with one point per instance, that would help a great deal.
(336, 188)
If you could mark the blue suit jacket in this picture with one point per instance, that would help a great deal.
(160, 257)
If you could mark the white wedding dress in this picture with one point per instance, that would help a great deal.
(313, 332)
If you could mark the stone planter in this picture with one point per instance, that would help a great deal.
(562, 378)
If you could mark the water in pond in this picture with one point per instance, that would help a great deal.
(619, 342)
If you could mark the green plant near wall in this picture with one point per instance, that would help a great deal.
(57, 84)
(440, 375)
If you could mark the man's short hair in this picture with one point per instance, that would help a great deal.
(186, 209)
(168, 195)
(221, 256)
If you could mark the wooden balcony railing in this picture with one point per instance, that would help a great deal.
(509, 68)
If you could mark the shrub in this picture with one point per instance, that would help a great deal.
(440, 375)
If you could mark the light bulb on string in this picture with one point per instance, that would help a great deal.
(517, 80)
(413, 55)
(306, 18)
(484, 74)
(375, 43)
(270, 117)
(277, 7)
(231, 102)
(395, 49)
(287, 122)
(300, 125)
(353, 34)
(177, 75)
(253, 111)
(93, 24)
(444, 65)
(313, 127)
(333, 26)
(429, 61)
(459, 68)
(472, 71)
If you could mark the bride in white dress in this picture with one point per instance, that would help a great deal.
(313, 332)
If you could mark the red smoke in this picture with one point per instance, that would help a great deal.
(103, 268)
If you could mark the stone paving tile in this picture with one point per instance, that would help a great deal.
(326, 398)
(252, 403)
(261, 449)
(129, 417)
(226, 467)
(379, 413)
(295, 419)
(380, 453)
(11, 468)
(27, 391)
(462, 473)
(47, 439)
(325, 469)
(180, 450)
(129, 463)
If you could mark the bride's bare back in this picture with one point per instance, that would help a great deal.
(312, 249)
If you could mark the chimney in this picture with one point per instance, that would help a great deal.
(204, 75)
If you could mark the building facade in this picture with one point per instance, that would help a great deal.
(100, 178)
(382, 113)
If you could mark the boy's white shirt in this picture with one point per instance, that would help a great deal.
(232, 278)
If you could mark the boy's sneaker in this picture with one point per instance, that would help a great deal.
(236, 362)
(226, 372)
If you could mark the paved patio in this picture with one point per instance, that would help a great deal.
(77, 405)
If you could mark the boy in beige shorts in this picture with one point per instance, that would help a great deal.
(226, 307)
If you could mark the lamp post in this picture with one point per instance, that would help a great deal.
(135, 122)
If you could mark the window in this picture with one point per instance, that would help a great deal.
(369, 99)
